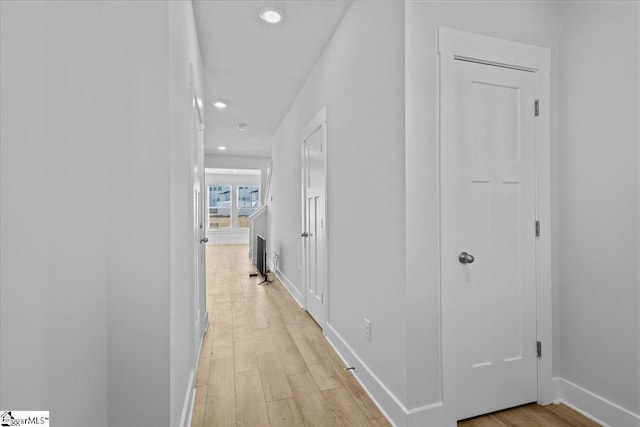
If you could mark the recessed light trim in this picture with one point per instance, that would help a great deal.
(220, 105)
(222, 148)
(242, 126)
(271, 15)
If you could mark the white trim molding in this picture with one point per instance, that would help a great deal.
(389, 404)
(295, 293)
(395, 412)
(493, 50)
(187, 406)
(592, 406)
(205, 323)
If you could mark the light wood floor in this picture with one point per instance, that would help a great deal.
(264, 362)
(531, 416)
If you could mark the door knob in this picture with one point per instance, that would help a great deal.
(305, 234)
(204, 240)
(465, 258)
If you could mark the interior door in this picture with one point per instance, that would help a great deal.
(313, 234)
(198, 205)
(200, 240)
(488, 234)
(201, 212)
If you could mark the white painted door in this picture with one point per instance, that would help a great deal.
(200, 240)
(198, 205)
(313, 233)
(488, 212)
(202, 232)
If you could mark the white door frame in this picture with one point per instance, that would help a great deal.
(197, 165)
(456, 45)
(319, 120)
(202, 285)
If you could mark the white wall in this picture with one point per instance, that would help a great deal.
(360, 78)
(53, 214)
(526, 22)
(184, 50)
(591, 301)
(136, 127)
(599, 284)
(93, 162)
(594, 191)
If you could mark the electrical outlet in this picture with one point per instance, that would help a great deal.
(367, 329)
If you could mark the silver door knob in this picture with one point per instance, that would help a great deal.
(305, 234)
(204, 240)
(465, 258)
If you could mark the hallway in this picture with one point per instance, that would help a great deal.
(264, 361)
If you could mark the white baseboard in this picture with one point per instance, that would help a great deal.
(205, 323)
(295, 293)
(190, 397)
(429, 415)
(187, 407)
(395, 412)
(384, 399)
(593, 406)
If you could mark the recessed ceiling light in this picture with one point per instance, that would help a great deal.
(222, 148)
(272, 15)
(242, 126)
(220, 104)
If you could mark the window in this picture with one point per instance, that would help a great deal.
(230, 205)
(248, 202)
(219, 206)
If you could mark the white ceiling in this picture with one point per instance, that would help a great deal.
(258, 68)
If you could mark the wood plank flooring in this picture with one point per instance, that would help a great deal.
(531, 415)
(264, 362)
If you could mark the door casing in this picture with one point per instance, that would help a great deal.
(198, 206)
(318, 121)
(456, 45)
